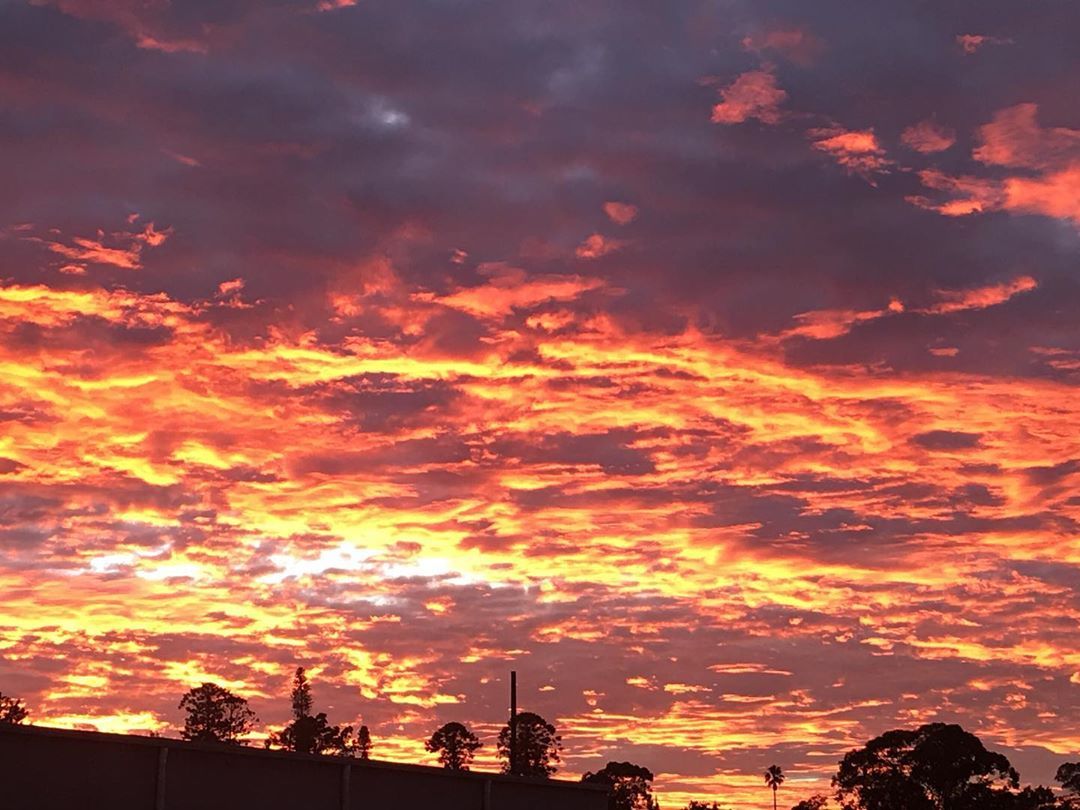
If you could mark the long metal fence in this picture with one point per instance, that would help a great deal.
(53, 769)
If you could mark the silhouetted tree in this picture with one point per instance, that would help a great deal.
(696, 805)
(1068, 776)
(1030, 798)
(12, 710)
(311, 734)
(301, 694)
(215, 714)
(629, 786)
(314, 735)
(363, 743)
(934, 767)
(813, 803)
(537, 749)
(1034, 798)
(774, 778)
(455, 745)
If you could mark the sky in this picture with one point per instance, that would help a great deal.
(712, 363)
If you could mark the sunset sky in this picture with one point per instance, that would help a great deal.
(712, 363)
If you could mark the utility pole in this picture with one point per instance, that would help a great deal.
(513, 723)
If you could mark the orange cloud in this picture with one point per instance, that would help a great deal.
(621, 213)
(754, 94)
(967, 195)
(45, 306)
(1015, 139)
(94, 252)
(858, 151)
(551, 321)
(121, 249)
(1055, 194)
(597, 245)
(831, 323)
(970, 43)
(826, 324)
(185, 160)
(151, 236)
(981, 297)
(152, 43)
(928, 137)
(138, 19)
(510, 288)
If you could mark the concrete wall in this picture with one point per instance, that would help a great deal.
(52, 769)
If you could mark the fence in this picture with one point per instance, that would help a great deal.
(54, 769)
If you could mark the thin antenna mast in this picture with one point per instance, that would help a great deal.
(513, 723)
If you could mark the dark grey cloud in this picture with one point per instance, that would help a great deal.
(317, 134)
(946, 440)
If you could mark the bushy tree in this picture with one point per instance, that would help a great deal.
(934, 767)
(1035, 798)
(214, 714)
(696, 805)
(455, 745)
(537, 750)
(362, 748)
(813, 803)
(629, 786)
(314, 735)
(1030, 798)
(1068, 776)
(12, 710)
(311, 734)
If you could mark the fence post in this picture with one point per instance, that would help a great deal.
(487, 795)
(162, 761)
(346, 780)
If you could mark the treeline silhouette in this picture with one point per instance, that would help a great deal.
(215, 715)
(937, 766)
(934, 767)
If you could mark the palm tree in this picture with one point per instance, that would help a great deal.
(774, 777)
